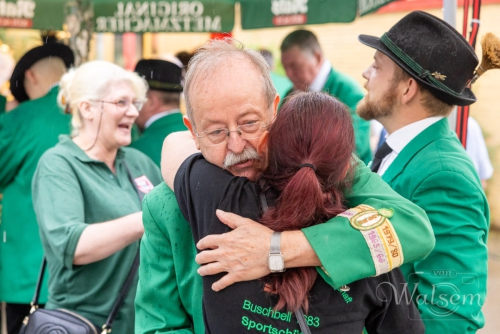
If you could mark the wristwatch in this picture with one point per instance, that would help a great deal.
(275, 260)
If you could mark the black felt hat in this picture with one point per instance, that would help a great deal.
(432, 52)
(51, 49)
(160, 74)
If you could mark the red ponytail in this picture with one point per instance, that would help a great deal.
(316, 129)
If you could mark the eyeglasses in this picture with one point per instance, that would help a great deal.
(124, 104)
(249, 130)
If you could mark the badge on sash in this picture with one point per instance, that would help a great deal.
(143, 184)
(379, 234)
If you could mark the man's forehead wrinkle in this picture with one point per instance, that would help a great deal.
(211, 68)
(219, 70)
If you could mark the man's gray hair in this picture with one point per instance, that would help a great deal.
(305, 40)
(209, 57)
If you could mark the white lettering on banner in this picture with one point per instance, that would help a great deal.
(154, 16)
(160, 8)
(19, 9)
(287, 7)
(168, 24)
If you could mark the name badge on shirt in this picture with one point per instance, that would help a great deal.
(143, 184)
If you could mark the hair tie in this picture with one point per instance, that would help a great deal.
(308, 165)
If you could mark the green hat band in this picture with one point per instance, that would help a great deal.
(421, 72)
(154, 84)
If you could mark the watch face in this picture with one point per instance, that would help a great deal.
(276, 262)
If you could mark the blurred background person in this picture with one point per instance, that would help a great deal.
(26, 132)
(281, 83)
(307, 68)
(3, 103)
(184, 57)
(88, 210)
(160, 114)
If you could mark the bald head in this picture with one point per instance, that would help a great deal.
(42, 75)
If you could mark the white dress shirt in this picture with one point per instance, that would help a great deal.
(320, 80)
(477, 150)
(401, 137)
(156, 117)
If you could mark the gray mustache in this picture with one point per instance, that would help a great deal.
(249, 153)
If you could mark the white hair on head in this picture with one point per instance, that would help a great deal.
(214, 52)
(93, 81)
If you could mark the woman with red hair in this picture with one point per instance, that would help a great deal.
(309, 166)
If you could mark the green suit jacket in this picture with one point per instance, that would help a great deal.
(435, 172)
(348, 91)
(25, 134)
(151, 140)
(169, 292)
(3, 102)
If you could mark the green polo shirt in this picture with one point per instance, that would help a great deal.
(71, 191)
(3, 102)
(151, 140)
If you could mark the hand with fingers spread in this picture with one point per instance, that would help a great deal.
(242, 253)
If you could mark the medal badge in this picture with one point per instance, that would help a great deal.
(143, 184)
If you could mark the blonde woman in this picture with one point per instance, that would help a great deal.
(87, 207)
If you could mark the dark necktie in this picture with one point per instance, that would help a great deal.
(382, 152)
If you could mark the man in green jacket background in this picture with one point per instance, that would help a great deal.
(160, 115)
(26, 133)
(307, 68)
(421, 69)
(3, 103)
(239, 90)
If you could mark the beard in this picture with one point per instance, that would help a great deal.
(231, 159)
(369, 109)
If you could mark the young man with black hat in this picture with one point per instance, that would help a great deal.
(160, 115)
(421, 70)
(26, 133)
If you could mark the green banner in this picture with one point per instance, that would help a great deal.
(163, 16)
(369, 6)
(275, 13)
(40, 14)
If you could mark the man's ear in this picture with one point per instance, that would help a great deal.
(153, 100)
(189, 125)
(262, 144)
(276, 103)
(409, 90)
(318, 57)
(30, 76)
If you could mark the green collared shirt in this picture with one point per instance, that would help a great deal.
(3, 102)
(151, 141)
(70, 192)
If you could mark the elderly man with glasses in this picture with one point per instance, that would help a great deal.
(230, 101)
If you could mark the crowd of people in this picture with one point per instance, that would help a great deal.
(253, 212)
